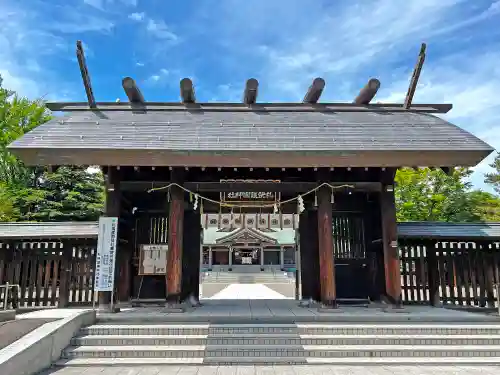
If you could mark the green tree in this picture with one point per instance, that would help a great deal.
(493, 178)
(18, 116)
(431, 195)
(486, 205)
(34, 193)
(70, 194)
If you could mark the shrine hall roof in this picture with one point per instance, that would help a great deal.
(277, 135)
(406, 230)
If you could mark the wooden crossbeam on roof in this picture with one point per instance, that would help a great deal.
(132, 90)
(368, 92)
(315, 90)
(251, 91)
(415, 76)
(187, 91)
(80, 55)
(264, 107)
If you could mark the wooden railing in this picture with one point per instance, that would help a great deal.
(49, 273)
(451, 273)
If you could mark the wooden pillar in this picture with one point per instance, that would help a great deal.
(390, 246)
(111, 209)
(432, 273)
(64, 278)
(325, 242)
(175, 241)
(191, 253)
(125, 271)
(309, 259)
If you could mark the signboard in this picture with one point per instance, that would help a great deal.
(153, 259)
(250, 196)
(106, 254)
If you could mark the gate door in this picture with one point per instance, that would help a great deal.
(349, 247)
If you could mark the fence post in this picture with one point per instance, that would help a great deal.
(432, 273)
(65, 275)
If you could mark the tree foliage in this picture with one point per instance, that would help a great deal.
(493, 178)
(34, 193)
(431, 195)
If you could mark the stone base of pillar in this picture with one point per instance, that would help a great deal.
(328, 306)
(392, 303)
(173, 304)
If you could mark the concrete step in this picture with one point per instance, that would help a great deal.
(143, 351)
(257, 360)
(341, 351)
(89, 362)
(283, 339)
(145, 329)
(399, 340)
(252, 329)
(183, 340)
(362, 361)
(139, 340)
(398, 329)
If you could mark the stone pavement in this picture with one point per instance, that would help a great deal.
(248, 291)
(278, 370)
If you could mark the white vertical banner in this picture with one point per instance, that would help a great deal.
(106, 254)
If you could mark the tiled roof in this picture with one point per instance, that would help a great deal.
(228, 130)
(53, 230)
(285, 236)
(449, 230)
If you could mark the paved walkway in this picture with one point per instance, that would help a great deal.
(278, 370)
(248, 291)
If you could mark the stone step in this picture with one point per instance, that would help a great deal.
(335, 351)
(362, 361)
(252, 329)
(340, 351)
(400, 339)
(145, 329)
(89, 362)
(139, 340)
(123, 351)
(282, 339)
(280, 351)
(398, 329)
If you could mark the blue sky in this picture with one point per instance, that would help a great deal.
(282, 43)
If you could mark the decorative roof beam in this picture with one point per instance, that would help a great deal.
(132, 90)
(265, 107)
(415, 77)
(80, 55)
(368, 92)
(251, 91)
(187, 91)
(315, 90)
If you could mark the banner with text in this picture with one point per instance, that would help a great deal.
(106, 254)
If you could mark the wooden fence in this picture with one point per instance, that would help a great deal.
(48, 273)
(453, 273)
(61, 273)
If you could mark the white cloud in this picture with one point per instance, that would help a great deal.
(160, 30)
(348, 44)
(103, 4)
(161, 75)
(137, 16)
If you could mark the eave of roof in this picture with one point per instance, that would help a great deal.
(406, 230)
(50, 230)
(265, 138)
